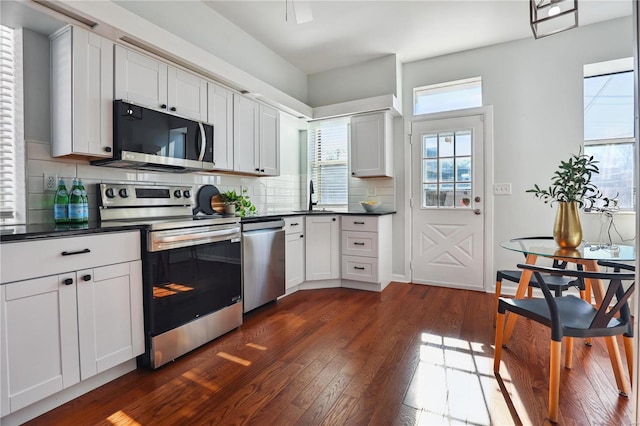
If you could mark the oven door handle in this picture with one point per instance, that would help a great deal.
(195, 237)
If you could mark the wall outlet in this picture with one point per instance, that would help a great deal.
(501, 189)
(50, 182)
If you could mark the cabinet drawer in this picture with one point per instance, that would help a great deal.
(359, 268)
(360, 223)
(360, 243)
(293, 224)
(59, 255)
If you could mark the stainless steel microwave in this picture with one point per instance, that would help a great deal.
(145, 139)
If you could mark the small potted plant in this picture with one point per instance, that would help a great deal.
(572, 189)
(238, 203)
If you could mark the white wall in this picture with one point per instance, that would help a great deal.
(224, 40)
(535, 87)
(359, 81)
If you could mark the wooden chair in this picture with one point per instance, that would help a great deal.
(558, 284)
(569, 317)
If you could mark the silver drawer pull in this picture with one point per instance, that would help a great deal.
(358, 244)
(361, 268)
(71, 253)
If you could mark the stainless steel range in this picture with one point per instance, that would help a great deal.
(192, 274)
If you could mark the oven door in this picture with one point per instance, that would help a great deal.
(185, 283)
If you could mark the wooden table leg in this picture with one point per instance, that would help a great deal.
(522, 288)
(612, 345)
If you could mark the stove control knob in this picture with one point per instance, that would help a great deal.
(124, 193)
(177, 193)
(187, 194)
(110, 193)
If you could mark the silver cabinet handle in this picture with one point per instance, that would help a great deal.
(203, 143)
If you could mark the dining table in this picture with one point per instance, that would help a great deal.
(587, 255)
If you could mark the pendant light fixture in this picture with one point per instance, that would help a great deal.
(552, 16)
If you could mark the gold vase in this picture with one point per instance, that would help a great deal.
(567, 230)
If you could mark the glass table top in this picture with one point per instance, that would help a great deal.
(549, 248)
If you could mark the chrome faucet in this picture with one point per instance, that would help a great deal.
(311, 192)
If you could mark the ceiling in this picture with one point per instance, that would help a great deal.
(343, 33)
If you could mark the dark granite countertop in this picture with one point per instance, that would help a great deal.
(50, 230)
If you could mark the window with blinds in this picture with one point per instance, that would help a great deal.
(328, 163)
(9, 207)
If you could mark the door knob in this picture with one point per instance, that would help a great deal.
(476, 211)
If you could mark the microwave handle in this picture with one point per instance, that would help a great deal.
(203, 143)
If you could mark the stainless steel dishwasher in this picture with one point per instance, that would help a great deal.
(263, 267)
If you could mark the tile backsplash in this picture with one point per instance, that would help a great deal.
(268, 194)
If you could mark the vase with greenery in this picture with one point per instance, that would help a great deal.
(240, 201)
(572, 189)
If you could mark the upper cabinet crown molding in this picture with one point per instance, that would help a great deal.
(377, 103)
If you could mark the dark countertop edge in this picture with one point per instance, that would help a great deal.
(40, 231)
(49, 230)
(317, 213)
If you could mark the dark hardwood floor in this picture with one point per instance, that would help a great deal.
(412, 354)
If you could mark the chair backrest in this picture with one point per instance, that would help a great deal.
(605, 312)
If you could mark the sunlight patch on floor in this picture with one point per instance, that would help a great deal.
(120, 418)
(234, 358)
(191, 375)
(256, 346)
(453, 382)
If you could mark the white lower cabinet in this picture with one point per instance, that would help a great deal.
(366, 250)
(60, 329)
(294, 251)
(322, 247)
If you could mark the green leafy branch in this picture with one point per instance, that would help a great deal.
(243, 205)
(572, 182)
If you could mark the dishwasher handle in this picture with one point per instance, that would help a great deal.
(257, 226)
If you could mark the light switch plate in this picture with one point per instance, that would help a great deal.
(50, 182)
(501, 189)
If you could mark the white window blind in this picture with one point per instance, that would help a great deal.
(328, 163)
(7, 125)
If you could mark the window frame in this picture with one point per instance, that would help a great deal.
(17, 215)
(448, 87)
(617, 66)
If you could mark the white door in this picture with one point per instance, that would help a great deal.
(447, 202)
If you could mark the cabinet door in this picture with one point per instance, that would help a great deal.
(140, 79)
(220, 114)
(294, 259)
(322, 243)
(39, 339)
(371, 145)
(187, 94)
(109, 316)
(269, 141)
(245, 135)
(81, 94)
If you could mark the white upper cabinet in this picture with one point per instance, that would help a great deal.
(81, 94)
(269, 141)
(372, 145)
(148, 82)
(220, 114)
(256, 132)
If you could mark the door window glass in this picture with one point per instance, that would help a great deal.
(446, 169)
